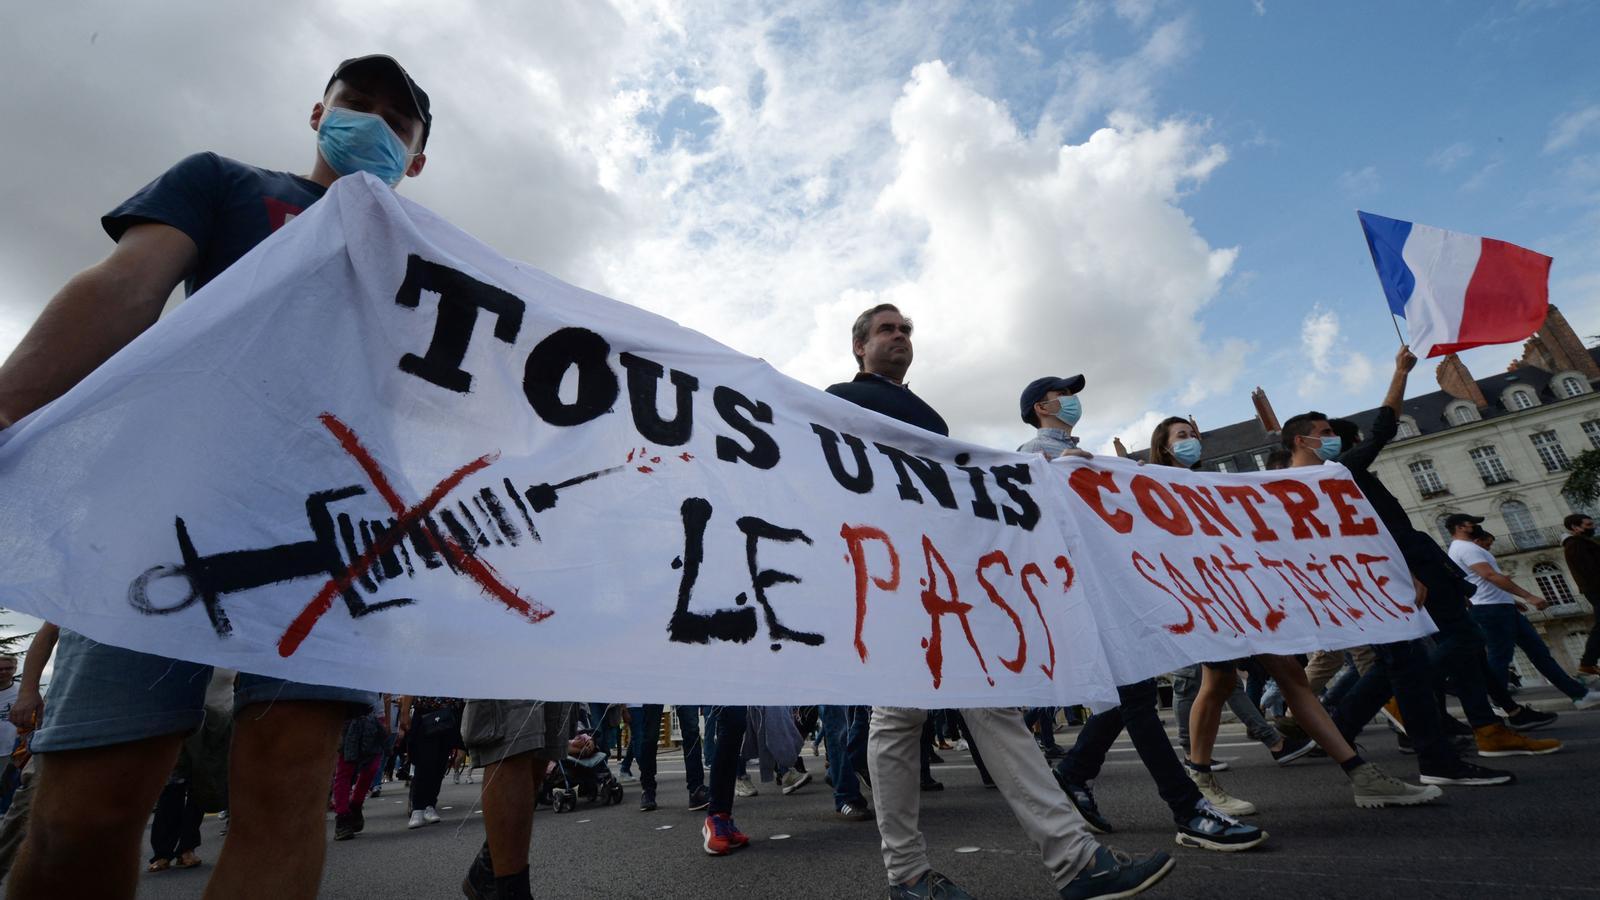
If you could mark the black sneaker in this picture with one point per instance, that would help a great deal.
(855, 811)
(1054, 752)
(1293, 749)
(343, 828)
(932, 785)
(1453, 725)
(1527, 719)
(1083, 800)
(647, 801)
(479, 883)
(1403, 743)
(1113, 873)
(1208, 829)
(699, 798)
(1465, 773)
(935, 758)
(357, 820)
(931, 886)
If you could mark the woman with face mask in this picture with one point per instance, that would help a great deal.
(1175, 442)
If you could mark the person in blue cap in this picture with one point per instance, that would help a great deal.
(1051, 405)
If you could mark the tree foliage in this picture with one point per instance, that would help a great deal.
(1583, 479)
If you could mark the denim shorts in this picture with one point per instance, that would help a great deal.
(102, 695)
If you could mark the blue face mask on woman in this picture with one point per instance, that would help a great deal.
(1331, 447)
(1069, 409)
(1186, 451)
(353, 141)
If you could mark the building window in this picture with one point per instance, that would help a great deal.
(1519, 521)
(1225, 465)
(1550, 452)
(1427, 479)
(1408, 429)
(1490, 466)
(1260, 458)
(1571, 386)
(1462, 414)
(1521, 400)
(1592, 429)
(1553, 585)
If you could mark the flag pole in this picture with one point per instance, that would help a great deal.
(1393, 320)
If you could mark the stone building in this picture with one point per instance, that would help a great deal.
(1497, 447)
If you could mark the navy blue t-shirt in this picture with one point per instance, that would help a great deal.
(224, 206)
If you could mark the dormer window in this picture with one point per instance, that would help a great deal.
(1407, 428)
(1520, 398)
(1462, 413)
(1570, 386)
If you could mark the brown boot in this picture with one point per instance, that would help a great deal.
(1589, 670)
(1498, 740)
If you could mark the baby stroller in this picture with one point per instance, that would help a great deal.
(582, 775)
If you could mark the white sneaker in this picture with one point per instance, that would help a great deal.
(1221, 799)
(469, 778)
(744, 787)
(456, 777)
(961, 745)
(626, 777)
(431, 816)
(416, 821)
(1588, 701)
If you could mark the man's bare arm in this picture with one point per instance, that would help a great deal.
(29, 703)
(93, 316)
(1500, 581)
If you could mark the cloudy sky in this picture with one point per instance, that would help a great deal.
(1159, 195)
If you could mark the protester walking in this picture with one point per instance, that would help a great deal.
(431, 730)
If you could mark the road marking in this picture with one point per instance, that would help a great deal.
(967, 849)
(779, 837)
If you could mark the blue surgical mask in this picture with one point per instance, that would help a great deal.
(1331, 447)
(353, 141)
(1186, 451)
(1069, 410)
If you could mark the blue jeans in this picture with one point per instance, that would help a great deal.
(1399, 670)
(727, 760)
(645, 723)
(844, 729)
(712, 734)
(1505, 629)
(103, 695)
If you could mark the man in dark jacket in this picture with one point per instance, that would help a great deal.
(1583, 561)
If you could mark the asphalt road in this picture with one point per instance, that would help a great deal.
(1533, 839)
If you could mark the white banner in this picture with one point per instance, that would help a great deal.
(374, 453)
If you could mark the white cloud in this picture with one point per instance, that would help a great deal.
(1446, 158)
(1362, 182)
(1566, 131)
(1327, 352)
(830, 162)
(1260, 6)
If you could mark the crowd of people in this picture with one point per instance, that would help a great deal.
(125, 734)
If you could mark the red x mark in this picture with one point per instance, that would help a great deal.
(474, 568)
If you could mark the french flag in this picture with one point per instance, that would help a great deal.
(1455, 290)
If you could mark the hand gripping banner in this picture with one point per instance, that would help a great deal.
(374, 453)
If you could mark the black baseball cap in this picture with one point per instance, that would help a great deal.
(1454, 520)
(389, 66)
(1038, 387)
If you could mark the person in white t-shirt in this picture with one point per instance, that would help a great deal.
(1495, 606)
(8, 696)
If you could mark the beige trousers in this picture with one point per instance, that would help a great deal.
(894, 754)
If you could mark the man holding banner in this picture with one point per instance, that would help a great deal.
(117, 717)
(1080, 867)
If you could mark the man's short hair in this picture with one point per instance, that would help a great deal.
(1574, 520)
(1278, 458)
(1300, 426)
(863, 327)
